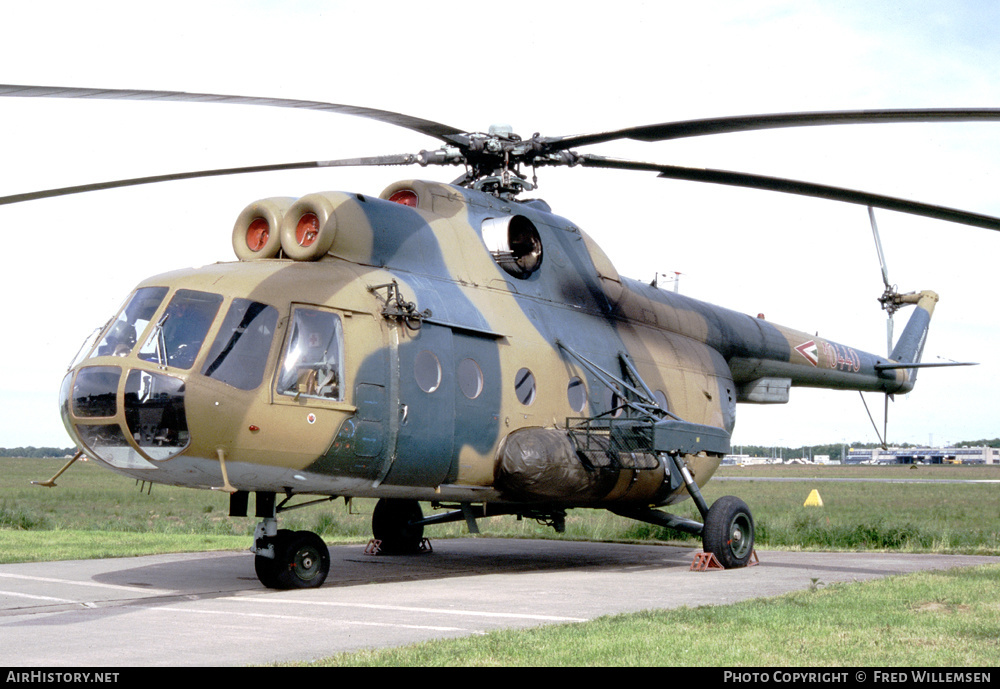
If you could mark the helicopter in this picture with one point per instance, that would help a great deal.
(452, 344)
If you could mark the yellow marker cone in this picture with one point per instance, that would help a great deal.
(814, 500)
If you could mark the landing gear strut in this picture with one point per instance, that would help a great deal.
(728, 531)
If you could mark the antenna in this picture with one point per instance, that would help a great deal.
(676, 280)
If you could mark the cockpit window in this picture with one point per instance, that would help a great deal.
(120, 336)
(313, 360)
(180, 331)
(239, 353)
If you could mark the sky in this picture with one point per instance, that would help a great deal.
(556, 68)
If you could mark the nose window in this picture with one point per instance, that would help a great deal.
(180, 331)
(154, 412)
(95, 391)
(314, 357)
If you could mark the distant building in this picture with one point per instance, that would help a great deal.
(747, 459)
(924, 455)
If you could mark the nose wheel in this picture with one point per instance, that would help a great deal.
(300, 560)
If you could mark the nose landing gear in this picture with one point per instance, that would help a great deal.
(291, 560)
(286, 559)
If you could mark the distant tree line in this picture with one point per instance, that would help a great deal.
(833, 451)
(979, 443)
(36, 452)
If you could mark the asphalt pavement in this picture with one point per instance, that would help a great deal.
(208, 609)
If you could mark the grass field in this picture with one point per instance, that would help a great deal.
(928, 619)
(95, 506)
(39, 523)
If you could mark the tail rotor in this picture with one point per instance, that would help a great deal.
(890, 304)
(890, 297)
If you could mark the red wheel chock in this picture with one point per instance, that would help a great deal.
(374, 546)
(704, 562)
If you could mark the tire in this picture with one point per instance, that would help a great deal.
(392, 525)
(303, 561)
(729, 532)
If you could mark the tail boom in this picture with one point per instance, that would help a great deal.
(816, 362)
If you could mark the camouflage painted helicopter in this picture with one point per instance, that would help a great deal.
(451, 344)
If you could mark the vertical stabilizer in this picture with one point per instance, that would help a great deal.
(910, 346)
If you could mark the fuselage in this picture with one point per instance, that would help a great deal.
(397, 356)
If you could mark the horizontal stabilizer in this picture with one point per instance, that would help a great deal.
(887, 367)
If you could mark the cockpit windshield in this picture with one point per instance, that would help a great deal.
(129, 414)
(180, 332)
(239, 353)
(237, 356)
(120, 336)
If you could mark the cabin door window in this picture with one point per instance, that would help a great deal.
(313, 362)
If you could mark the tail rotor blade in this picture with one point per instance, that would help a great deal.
(878, 247)
(887, 299)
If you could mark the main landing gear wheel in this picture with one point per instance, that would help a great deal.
(301, 561)
(728, 532)
(393, 525)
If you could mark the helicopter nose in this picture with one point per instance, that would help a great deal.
(125, 424)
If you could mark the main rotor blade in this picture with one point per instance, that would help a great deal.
(791, 186)
(404, 159)
(434, 129)
(743, 123)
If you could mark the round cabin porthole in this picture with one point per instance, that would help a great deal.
(427, 371)
(470, 378)
(576, 394)
(524, 386)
